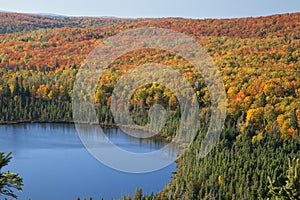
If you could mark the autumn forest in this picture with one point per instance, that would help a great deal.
(259, 60)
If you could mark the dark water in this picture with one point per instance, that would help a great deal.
(55, 165)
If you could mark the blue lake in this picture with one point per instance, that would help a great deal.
(54, 164)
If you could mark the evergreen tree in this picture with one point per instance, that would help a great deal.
(294, 121)
(289, 191)
(138, 194)
(263, 101)
(56, 65)
(8, 181)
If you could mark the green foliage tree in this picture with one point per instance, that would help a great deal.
(138, 194)
(289, 191)
(294, 121)
(8, 180)
(263, 101)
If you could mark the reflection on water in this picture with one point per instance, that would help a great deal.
(136, 156)
(123, 140)
(55, 164)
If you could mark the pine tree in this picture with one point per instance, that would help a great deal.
(8, 181)
(291, 190)
(56, 65)
(294, 121)
(138, 194)
(263, 101)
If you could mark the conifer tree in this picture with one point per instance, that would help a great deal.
(8, 180)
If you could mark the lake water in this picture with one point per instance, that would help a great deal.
(55, 165)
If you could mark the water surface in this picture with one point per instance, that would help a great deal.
(55, 165)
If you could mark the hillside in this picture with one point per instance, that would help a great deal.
(258, 58)
(18, 22)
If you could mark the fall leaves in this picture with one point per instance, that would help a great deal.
(258, 59)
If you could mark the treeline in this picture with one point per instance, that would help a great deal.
(34, 110)
(259, 27)
(19, 22)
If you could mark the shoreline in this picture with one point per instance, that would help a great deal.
(104, 125)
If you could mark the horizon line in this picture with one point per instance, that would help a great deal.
(144, 17)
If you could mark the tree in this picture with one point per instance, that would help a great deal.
(263, 101)
(254, 121)
(294, 120)
(289, 191)
(8, 181)
(16, 88)
(138, 194)
(56, 65)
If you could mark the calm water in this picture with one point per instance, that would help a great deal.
(55, 165)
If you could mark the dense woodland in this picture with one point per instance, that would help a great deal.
(259, 59)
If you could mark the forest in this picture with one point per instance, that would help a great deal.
(259, 59)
